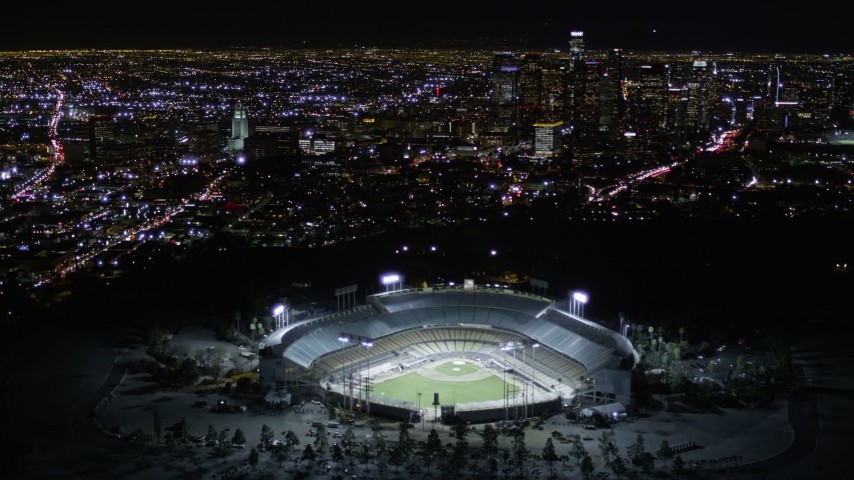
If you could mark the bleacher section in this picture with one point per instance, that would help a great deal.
(424, 322)
(494, 298)
(592, 355)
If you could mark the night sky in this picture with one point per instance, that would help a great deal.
(682, 26)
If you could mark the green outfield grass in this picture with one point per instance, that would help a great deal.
(406, 386)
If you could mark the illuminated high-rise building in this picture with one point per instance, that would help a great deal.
(239, 128)
(554, 94)
(646, 113)
(585, 99)
(611, 102)
(505, 94)
(547, 142)
(576, 46)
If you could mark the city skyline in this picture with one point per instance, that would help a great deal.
(676, 26)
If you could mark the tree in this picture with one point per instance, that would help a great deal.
(337, 455)
(587, 465)
(171, 444)
(712, 366)
(397, 456)
(366, 454)
(253, 458)
(308, 453)
(211, 435)
(222, 447)
(291, 439)
(578, 450)
(187, 372)
(321, 440)
(740, 365)
(550, 456)
(681, 332)
(636, 451)
(239, 438)
(244, 385)
(280, 454)
(520, 453)
(158, 425)
(183, 429)
(607, 445)
(266, 434)
(490, 441)
(347, 439)
(403, 440)
(459, 455)
(618, 466)
(215, 356)
(664, 451)
(647, 463)
(678, 466)
(432, 447)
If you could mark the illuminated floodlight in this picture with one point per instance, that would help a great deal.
(389, 279)
(278, 310)
(367, 344)
(579, 297)
(344, 339)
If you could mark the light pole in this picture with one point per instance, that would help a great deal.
(506, 346)
(367, 343)
(345, 340)
(420, 413)
(534, 348)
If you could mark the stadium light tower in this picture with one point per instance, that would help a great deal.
(345, 340)
(392, 279)
(280, 313)
(578, 300)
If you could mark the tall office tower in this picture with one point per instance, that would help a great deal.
(576, 47)
(646, 112)
(700, 80)
(505, 95)
(239, 128)
(530, 89)
(842, 102)
(585, 100)
(554, 92)
(611, 102)
(103, 133)
(547, 142)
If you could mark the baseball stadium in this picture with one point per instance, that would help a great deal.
(476, 353)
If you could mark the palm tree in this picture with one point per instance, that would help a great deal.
(681, 332)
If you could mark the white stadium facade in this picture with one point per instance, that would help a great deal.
(555, 354)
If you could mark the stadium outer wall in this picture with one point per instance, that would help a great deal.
(486, 415)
